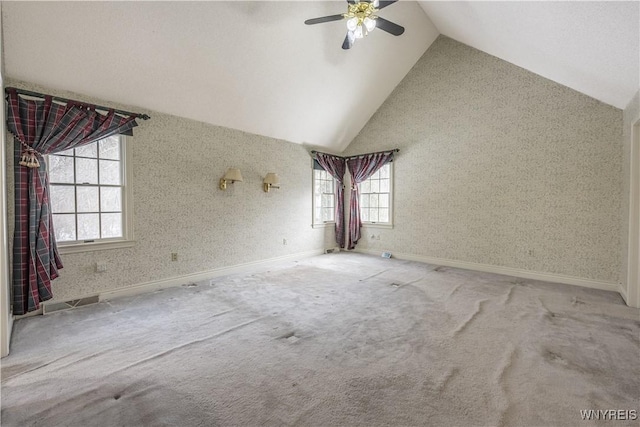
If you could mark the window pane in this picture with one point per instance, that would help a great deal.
(373, 215)
(328, 186)
(111, 199)
(317, 215)
(383, 200)
(383, 215)
(364, 201)
(326, 200)
(65, 153)
(326, 214)
(330, 214)
(384, 185)
(109, 172)
(373, 201)
(384, 171)
(88, 226)
(90, 150)
(86, 171)
(61, 169)
(364, 214)
(65, 227)
(87, 199)
(111, 225)
(110, 148)
(62, 199)
(375, 186)
(375, 175)
(365, 187)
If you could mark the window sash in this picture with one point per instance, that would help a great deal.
(324, 197)
(124, 225)
(376, 198)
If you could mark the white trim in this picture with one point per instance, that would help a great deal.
(376, 225)
(508, 271)
(155, 285)
(632, 294)
(6, 315)
(322, 224)
(127, 240)
(96, 246)
(388, 224)
(623, 293)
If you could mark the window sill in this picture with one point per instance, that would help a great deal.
(376, 225)
(98, 246)
(323, 225)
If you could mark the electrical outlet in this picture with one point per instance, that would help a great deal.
(284, 241)
(174, 256)
(101, 267)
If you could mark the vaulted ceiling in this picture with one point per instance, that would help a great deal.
(256, 67)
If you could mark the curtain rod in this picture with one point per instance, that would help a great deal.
(65, 100)
(395, 150)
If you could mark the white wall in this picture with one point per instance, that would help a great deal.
(500, 167)
(631, 205)
(177, 164)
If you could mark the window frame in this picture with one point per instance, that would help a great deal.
(389, 224)
(322, 224)
(127, 239)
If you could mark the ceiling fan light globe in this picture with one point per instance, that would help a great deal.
(352, 36)
(358, 32)
(352, 24)
(370, 23)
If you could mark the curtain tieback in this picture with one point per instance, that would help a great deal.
(354, 186)
(29, 157)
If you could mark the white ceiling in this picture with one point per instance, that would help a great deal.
(592, 47)
(252, 66)
(256, 67)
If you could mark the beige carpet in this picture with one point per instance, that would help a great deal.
(335, 340)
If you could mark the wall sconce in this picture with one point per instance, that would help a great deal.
(270, 181)
(232, 175)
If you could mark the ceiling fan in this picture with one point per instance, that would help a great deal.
(361, 19)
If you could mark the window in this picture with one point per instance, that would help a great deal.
(324, 196)
(375, 198)
(89, 197)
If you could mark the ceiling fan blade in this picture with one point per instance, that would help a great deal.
(324, 19)
(347, 43)
(382, 4)
(351, 1)
(389, 26)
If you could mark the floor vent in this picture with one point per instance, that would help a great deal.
(331, 250)
(67, 305)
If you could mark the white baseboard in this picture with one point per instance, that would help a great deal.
(508, 271)
(623, 293)
(155, 285)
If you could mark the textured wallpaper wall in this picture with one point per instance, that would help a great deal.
(177, 164)
(500, 166)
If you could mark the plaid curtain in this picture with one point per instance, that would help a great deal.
(40, 128)
(361, 168)
(336, 166)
